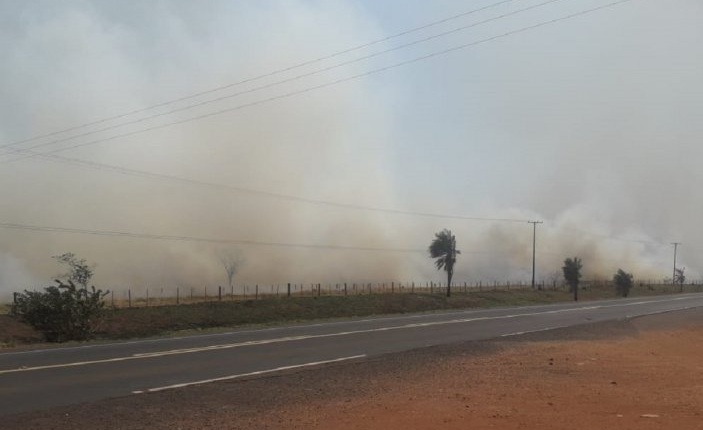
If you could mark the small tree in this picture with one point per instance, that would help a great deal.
(79, 272)
(554, 278)
(679, 278)
(572, 274)
(623, 282)
(443, 248)
(232, 261)
(62, 312)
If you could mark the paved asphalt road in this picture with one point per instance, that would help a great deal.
(40, 379)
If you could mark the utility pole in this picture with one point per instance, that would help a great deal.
(534, 237)
(673, 276)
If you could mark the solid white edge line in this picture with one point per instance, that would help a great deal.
(243, 375)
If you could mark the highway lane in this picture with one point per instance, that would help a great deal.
(39, 379)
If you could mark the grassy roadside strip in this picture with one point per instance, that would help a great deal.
(125, 323)
(139, 322)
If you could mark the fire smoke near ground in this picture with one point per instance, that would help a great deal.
(595, 133)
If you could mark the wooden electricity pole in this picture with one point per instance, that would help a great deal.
(534, 237)
(673, 276)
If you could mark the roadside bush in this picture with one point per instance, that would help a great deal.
(61, 312)
(623, 283)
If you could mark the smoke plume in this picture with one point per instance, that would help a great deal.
(595, 133)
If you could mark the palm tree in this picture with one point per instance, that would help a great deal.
(572, 274)
(443, 248)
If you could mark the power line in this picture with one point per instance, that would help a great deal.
(608, 237)
(599, 259)
(284, 81)
(261, 76)
(164, 237)
(124, 234)
(269, 194)
(132, 171)
(182, 238)
(135, 172)
(327, 84)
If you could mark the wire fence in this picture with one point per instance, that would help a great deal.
(166, 296)
(130, 297)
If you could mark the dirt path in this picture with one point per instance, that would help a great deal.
(643, 374)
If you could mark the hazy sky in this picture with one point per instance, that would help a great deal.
(591, 124)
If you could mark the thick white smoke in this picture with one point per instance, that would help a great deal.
(595, 133)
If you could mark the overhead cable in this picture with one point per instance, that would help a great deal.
(321, 86)
(259, 77)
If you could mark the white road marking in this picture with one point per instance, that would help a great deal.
(321, 324)
(428, 314)
(243, 375)
(319, 336)
(520, 333)
(269, 341)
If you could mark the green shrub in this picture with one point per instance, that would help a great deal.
(61, 312)
(623, 283)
